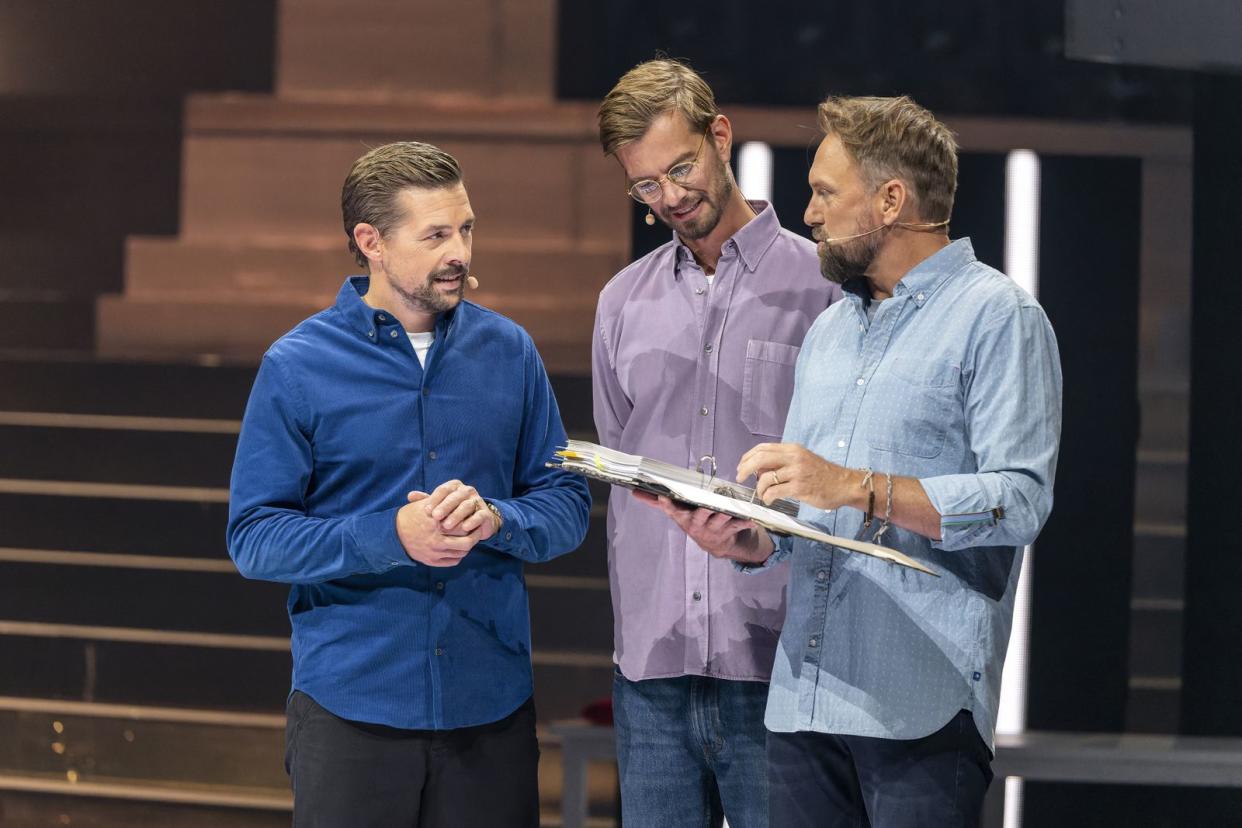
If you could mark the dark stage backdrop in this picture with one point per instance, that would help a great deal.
(962, 58)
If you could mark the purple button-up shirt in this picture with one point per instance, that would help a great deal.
(684, 369)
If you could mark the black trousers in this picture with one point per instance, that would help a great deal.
(355, 775)
(823, 781)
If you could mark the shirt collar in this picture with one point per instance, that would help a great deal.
(752, 241)
(368, 320)
(926, 277)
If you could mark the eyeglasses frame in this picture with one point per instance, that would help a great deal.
(668, 176)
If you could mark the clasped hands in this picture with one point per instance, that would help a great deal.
(781, 470)
(440, 528)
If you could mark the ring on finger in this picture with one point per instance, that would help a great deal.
(775, 478)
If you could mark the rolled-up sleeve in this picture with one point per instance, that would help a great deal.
(1013, 419)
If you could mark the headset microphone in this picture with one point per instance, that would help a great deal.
(931, 226)
(829, 240)
(472, 283)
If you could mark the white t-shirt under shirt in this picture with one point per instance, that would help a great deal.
(422, 344)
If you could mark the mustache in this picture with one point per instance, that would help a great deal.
(451, 271)
(684, 205)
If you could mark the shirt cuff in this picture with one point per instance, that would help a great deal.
(968, 508)
(783, 546)
(511, 539)
(376, 542)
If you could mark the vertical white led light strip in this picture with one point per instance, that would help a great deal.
(1022, 265)
(754, 171)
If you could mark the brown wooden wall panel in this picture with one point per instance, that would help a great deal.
(160, 266)
(167, 329)
(384, 47)
(286, 186)
(189, 325)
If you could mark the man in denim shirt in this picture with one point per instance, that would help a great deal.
(927, 411)
(391, 470)
(693, 357)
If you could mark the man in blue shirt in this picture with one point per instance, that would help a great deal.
(390, 468)
(926, 415)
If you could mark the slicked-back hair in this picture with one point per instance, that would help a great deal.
(370, 193)
(648, 91)
(896, 138)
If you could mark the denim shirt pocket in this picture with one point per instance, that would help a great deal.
(925, 395)
(767, 386)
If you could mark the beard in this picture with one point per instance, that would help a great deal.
(713, 198)
(427, 297)
(839, 263)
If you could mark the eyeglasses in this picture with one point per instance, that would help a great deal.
(649, 190)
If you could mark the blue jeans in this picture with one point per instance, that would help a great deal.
(690, 751)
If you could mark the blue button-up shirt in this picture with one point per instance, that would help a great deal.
(956, 381)
(342, 423)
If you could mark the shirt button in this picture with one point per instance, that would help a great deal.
(821, 575)
(439, 586)
(439, 651)
(371, 334)
(508, 536)
(861, 327)
(703, 411)
(814, 642)
(860, 381)
(431, 455)
(919, 297)
(383, 318)
(698, 596)
(393, 333)
(698, 291)
(708, 348)
(840, 444)
(426, 392)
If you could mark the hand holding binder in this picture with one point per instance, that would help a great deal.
(703, 490)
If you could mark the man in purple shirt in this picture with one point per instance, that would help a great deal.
(693, 358)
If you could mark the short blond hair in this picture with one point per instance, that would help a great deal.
(648, 91)
(896, 138)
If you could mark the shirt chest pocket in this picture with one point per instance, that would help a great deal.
(917, 401)
(767, 385)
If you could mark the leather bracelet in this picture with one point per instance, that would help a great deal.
(869, 483)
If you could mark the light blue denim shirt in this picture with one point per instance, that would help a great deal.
(956, 381)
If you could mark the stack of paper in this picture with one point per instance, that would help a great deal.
(704, 490)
